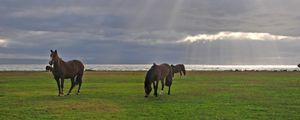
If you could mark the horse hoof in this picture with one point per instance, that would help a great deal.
(145, 96)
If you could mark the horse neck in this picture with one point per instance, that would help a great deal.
(149, 76)
(58, 65)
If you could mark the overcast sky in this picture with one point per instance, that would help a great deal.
(147, 31)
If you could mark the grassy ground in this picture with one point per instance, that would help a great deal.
(119, 95)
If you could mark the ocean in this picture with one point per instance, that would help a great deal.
(145, 67)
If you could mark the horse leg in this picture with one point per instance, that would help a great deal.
(155, 87)
(72, 85)
(180, 74)
(162, 86)
(58, 85)
(62, 86)
(169, 90)
(79, 80)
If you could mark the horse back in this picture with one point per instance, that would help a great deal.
(165, 70)
(73, 68)
(167, 74)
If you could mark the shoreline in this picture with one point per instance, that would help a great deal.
(146, 71)
(145, 67)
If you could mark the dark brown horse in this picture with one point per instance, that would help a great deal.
(62, 70)
(49, 68)
(179, 68)
(155, 74)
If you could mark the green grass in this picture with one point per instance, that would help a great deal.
(119, 95)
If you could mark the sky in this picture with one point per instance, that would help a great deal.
(217, 32)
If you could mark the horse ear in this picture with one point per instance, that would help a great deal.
(154, 64)
(51, 51)
(55, 51)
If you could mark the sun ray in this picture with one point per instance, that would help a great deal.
(145, 9)
(174, 13)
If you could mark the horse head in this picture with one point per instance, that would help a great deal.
(54, 57)
(49, 68)
(147, 88)
(154, 65)
(147, 84)
(174, 70)
(173, 67)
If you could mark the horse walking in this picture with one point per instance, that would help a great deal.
(179, 68)
(155, 74)
(62, 70)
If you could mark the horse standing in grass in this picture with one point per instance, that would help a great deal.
(62, 70)
(155, 74)
(179, 68)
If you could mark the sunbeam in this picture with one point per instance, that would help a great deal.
(143, 11)
(174, 13)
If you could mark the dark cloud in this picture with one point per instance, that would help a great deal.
(146, 31)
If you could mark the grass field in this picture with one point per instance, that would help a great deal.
(119, 95)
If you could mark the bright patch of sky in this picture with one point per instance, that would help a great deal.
(236, 36)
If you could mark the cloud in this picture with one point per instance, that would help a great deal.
(3, 42)
(22, 56)
(227, 35)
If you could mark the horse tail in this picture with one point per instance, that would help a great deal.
(78, 79)
(169, 78)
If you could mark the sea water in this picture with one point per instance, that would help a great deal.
(145, 67)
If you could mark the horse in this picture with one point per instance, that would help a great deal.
(179, 68)
(49, 68)
(66, 70)
(155, 74)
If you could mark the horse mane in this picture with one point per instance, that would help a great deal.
(149, 75)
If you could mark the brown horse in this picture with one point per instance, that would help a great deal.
(63, 70)
(155, 74)
(179, 68)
